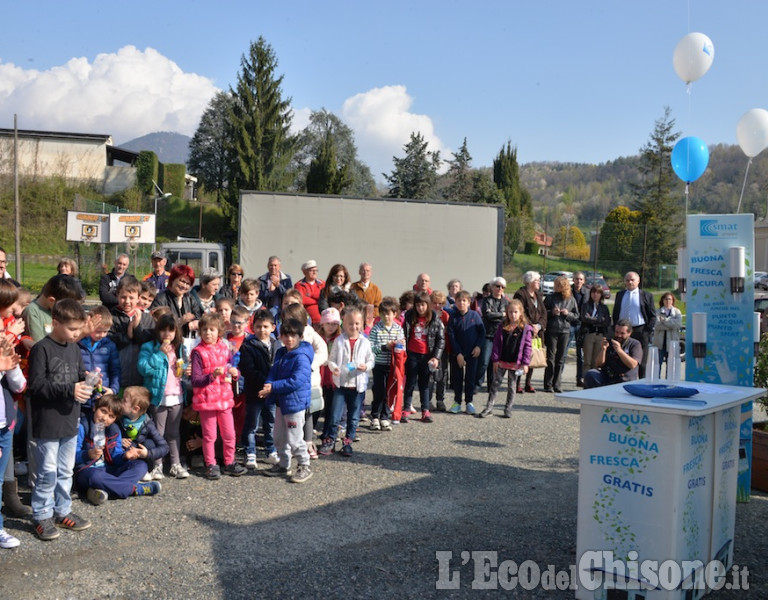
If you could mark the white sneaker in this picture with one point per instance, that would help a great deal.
(147, 476)
(375, 425)
(250, 461)
(272, 459)
(386, 425)
(179, 472)
(7, 540)
(157, 473)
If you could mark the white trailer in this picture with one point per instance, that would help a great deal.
(400, 238)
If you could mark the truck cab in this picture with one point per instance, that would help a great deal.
(198, 255)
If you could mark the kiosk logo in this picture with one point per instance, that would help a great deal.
(714, 228)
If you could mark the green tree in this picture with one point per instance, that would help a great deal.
(325, 176)
(517, 200)
(570, 243)
(460, 177)
(210, 156)
(660, 212)
(308, 146)
(414, 175)
(260, 118)
(621, 238)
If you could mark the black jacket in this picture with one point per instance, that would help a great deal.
(255, 362)
(435, 333)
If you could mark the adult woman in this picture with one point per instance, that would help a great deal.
(492, 309)
(561, 313)
(235, 278)
(67, 266)
(338, 280)
(310, 288)
(184, 307)
(207, 292)
(595, 326)
(669, 320)
(533, 303)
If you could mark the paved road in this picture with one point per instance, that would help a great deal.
(366, 527)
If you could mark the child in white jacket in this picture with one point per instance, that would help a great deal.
(350, 359)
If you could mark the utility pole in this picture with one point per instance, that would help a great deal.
(16, 205)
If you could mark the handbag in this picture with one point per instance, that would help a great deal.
(538, 355)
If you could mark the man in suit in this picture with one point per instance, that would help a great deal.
(637, 307)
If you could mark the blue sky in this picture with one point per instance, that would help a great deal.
(564, 81)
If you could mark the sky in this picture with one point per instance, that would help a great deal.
(561, 80)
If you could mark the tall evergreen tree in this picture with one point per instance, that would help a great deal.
(324, 175)
(414, 175)
(517, 200)
(260, 118)
(659, 211)
(460, 177)
(210, 157)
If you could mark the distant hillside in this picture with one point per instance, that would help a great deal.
(170, 147)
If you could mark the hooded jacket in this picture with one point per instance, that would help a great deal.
(290, 377)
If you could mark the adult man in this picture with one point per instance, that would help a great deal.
(619, 359)
(158, 276)
(422, 283)
(636, 306)
(273, 285)
(4, 274)
(581, 295)
(108, 282)
(366, 290)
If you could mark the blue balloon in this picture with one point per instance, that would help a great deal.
(690, 158)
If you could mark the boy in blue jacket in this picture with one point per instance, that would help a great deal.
(103, 467)
(100, 352)
(466, 333)
(288, 386)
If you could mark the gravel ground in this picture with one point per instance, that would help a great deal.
(365, 527)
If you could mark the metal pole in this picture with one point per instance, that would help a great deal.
(16, 205)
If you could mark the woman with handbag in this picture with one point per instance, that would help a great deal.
(533, 303)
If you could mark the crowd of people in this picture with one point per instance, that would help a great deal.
(165, 376)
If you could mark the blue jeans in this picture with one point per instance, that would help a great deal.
(55, 460)
(484, 366)
(258, 413)
(6, 448)
(119, 481)
(352, 400)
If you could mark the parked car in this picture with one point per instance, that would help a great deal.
(602, 283)
(548, 281)
(761, 280)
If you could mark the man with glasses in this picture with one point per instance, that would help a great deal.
(580, 295)
(273, 285)
(108, 282)
(4, 274)
(636, 306)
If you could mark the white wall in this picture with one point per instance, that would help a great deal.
(399, 238)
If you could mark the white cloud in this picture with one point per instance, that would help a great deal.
(300, 119)
(383, 123)
(126, 94)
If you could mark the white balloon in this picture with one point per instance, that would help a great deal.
(752, 131)
(693, 56)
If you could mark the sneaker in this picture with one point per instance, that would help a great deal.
(46, 530)
(364, 419)
(302, 474)
(386, 425)
(8, 541)
(312, 450)
(148, 489)
(375, 425)
(250, 462)
(426, 417)
(147, 476)
(441, 407)
(404, 416)
(470, 408)
(234, 469)
(519, 389)
(212, 472)
(179, 472)
(276, 471)
(346, 448)
(530, 389)
(455, 408)
(272, 459)
(97, 496)
(73, 522)
(326, 448)
(485, 412)
(157, 473)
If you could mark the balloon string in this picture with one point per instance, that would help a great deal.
(686, 198)
(743, 185)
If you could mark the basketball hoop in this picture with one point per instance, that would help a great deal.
(88, 233)
(132, 243)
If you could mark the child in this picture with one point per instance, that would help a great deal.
(57, 389)
(255, 361)
(99, 352)
(249, 296)
(240, 326)
(511, 353)
(131, 327)
(466, 333)
(224, 307)
(425, 342)
(330, 329)
(147, 294)
(212, 398)
(406, 304)
(288, 387)
(161, 364)
(440, 375)
(350, 360)
(38, 314)
(138, 430)
(384, 338)
(104, 467)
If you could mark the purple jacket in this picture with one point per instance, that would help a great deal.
(524, 355)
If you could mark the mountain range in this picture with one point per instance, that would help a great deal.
(170, 147)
